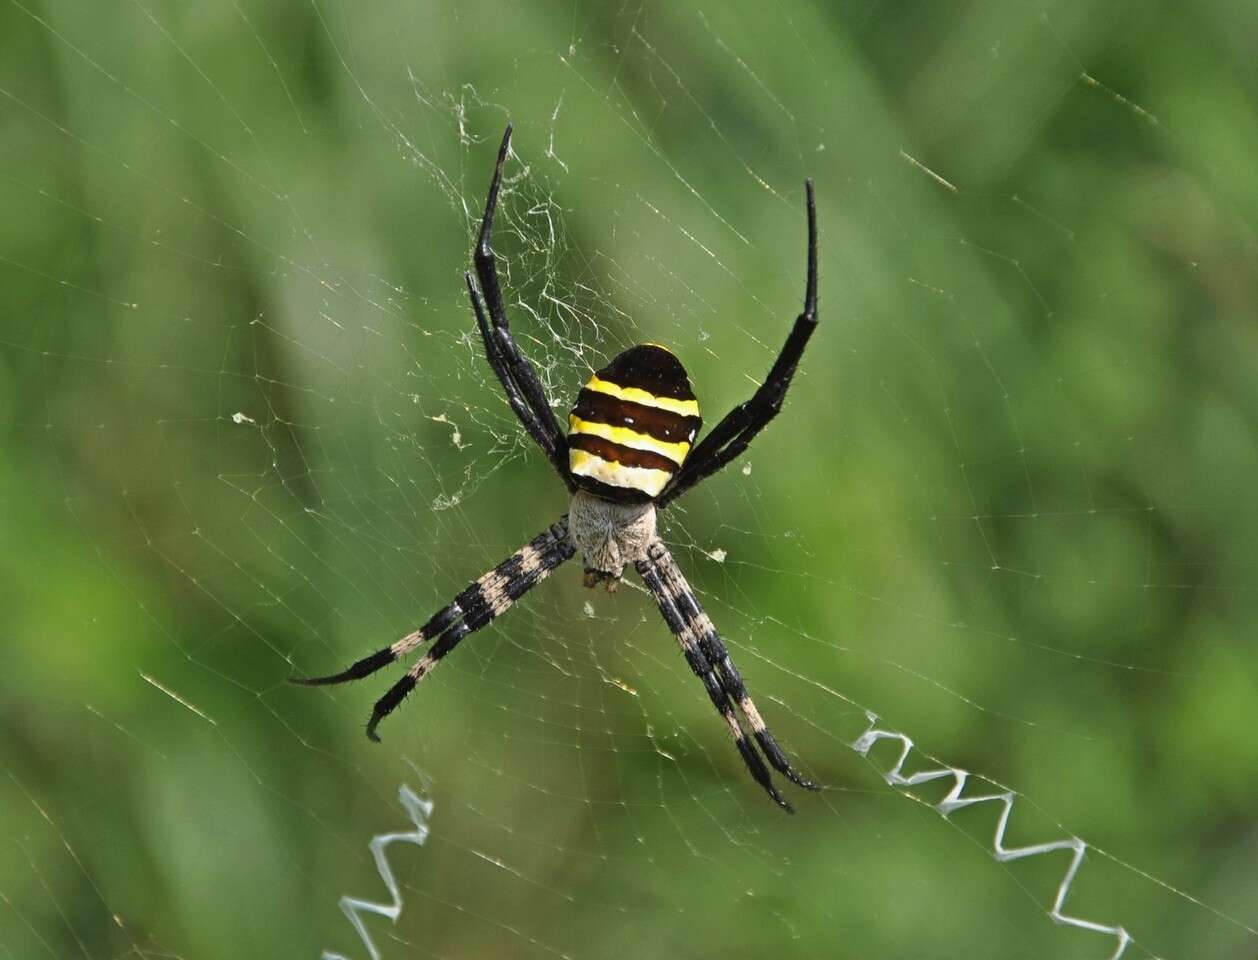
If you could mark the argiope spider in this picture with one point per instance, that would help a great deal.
(626, 455)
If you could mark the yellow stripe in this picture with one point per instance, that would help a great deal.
(687, 408)
(586, 464)
(629, 438)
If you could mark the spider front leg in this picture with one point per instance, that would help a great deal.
(514, 371)
(476, 606)
(714, 649)
(703, 670)
(708, 658)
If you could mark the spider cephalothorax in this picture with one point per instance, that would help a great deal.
(609, 535)
(628, 452)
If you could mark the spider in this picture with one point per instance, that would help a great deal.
(628, 453)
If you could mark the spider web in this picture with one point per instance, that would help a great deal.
(989, 576)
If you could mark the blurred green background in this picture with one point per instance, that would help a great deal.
(246, 433)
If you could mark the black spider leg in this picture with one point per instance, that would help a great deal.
(513, 369)
(477, 605)
(714, 649)
(493, 353)
(699, 663)
(730, 437)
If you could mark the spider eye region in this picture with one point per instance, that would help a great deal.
(632, 426)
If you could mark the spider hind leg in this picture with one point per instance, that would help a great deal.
(729, 438)
(525, 393)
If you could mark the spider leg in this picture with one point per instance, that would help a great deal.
(368, 665)
(714, 649)
(519, 403)
(476, 606)
(691, 648)
(513, 369)
(729, 438)
(489, 597)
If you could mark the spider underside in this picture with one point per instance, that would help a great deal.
(628, 453)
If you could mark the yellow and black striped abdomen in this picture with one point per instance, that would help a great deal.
(633, 425)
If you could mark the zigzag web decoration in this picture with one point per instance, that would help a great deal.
(954, 801)
(419, 809)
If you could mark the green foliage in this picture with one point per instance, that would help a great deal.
(246, 434)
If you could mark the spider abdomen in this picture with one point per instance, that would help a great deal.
(633, 425)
